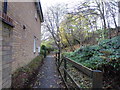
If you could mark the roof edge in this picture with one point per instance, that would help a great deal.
(39, 10)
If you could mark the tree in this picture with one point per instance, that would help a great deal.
(81, 24)
(53, 19)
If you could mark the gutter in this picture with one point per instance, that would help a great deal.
(39, 10)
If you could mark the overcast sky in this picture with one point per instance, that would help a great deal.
(48, 3)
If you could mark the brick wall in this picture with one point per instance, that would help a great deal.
(23, 14)
(6, 55)
(16, 44)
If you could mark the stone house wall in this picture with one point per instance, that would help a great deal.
(17, 43)
(6, 55)
(27, 27)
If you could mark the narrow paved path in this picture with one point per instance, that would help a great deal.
(48, 76)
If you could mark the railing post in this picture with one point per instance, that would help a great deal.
(97, 79)
(56, 57)
(59, 58)
(65, 67)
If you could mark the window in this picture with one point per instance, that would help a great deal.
(39, 49)
(34, 48)
(5, 6)
(36, 16)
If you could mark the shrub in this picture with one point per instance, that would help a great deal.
(107, 52)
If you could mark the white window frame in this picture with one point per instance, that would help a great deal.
(39, 49)
(34, 47)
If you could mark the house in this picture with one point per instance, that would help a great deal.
(20, 30)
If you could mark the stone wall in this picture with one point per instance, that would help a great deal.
(17, 44)
(27, 27)
(6, 55)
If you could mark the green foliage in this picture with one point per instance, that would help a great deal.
(102, 34)
(76, 28)
(46, 45)
(107, 52)
(43, 47)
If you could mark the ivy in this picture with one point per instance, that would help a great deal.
(107, 52)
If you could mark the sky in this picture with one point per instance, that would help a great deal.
(48, 3)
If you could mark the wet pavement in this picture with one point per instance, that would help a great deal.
(48, 76)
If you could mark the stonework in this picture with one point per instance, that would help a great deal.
(6, 55)
(26, 28)
(17, 44)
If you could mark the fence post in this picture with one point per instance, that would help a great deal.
(56, 57)
(65, 67)
(59, 58)
(97, 79)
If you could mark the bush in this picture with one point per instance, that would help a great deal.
(45, 50)
(105, 57)
(107, 52)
